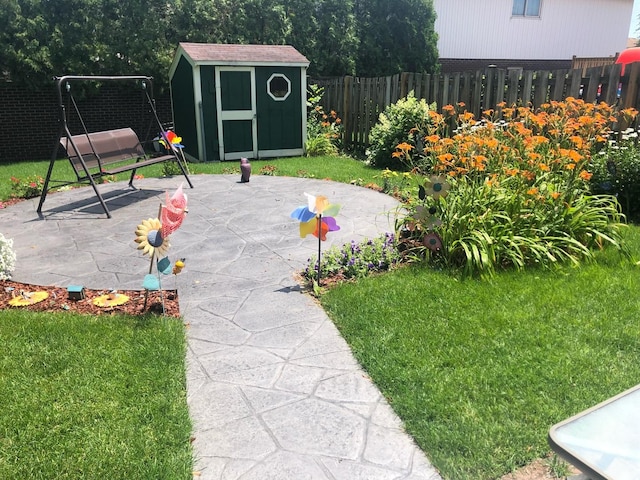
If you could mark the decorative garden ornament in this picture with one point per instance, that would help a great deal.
(245, 169)
(28, 298)
(152, 236)
(317, 219)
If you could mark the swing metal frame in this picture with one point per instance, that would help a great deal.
(94, 155)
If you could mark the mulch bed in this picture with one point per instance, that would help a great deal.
(58, 301)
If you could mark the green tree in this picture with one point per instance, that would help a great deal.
(85, 37)
(40, 39)
(396, 36)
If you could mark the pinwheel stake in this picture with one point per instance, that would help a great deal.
(313, 222)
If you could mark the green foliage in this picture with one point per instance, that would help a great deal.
(616, 171)
(320, 145)
(355, 260)
(324, 130)
(28, 187)
(396, 36)
(7, 257)
(397, 125)
(325, 32)
(519, 190)
(109, 37)
(170, 168)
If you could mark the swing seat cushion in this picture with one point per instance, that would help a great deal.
(104, 152)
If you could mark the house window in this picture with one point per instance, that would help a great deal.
(526, 8)
(278, 87)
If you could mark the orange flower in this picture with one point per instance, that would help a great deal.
(528, 175)
(405, 147)
(432, 138)
(577, 141)
(445, 158)
(532, 191)
(544, 167)
(555, 195)
(466, 117)
(586, 176)
(570, 166)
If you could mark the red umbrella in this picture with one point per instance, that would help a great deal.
(629, 55)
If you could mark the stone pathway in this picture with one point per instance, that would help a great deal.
(273, 390)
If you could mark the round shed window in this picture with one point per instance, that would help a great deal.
(278, 87)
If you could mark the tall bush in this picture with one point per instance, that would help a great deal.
(398, 123)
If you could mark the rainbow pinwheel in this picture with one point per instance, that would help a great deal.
(317, 218)
(170, 138)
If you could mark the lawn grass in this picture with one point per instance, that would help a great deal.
(338, 168)
(93, 397)
(480, 370)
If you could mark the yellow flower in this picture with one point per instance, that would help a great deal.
(438, 187)
(149, 238)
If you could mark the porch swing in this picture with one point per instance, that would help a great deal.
(94, 155)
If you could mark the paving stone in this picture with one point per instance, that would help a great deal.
(217, 330)
(344, 470)
(295, 378)
(349, 387)
(262, 399)
(217, 404)
(287, 336)
(286, 466)
(315, 427)
(388, 447)
(244, 439)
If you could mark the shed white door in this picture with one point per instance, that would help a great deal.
(236, 100)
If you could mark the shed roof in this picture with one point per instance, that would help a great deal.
(233, 54)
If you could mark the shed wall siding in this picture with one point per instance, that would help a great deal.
(184, 108)
(209, 113)
(486, 29)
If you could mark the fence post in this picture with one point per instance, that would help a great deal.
(346, 112)
(631, 95)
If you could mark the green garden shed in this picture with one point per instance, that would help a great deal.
(234, 101)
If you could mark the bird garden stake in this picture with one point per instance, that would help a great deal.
(152, 237)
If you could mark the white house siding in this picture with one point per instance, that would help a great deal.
(485, 29)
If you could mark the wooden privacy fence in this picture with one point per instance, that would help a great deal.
(359, 101)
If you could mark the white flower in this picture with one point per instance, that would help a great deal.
(7, 258)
